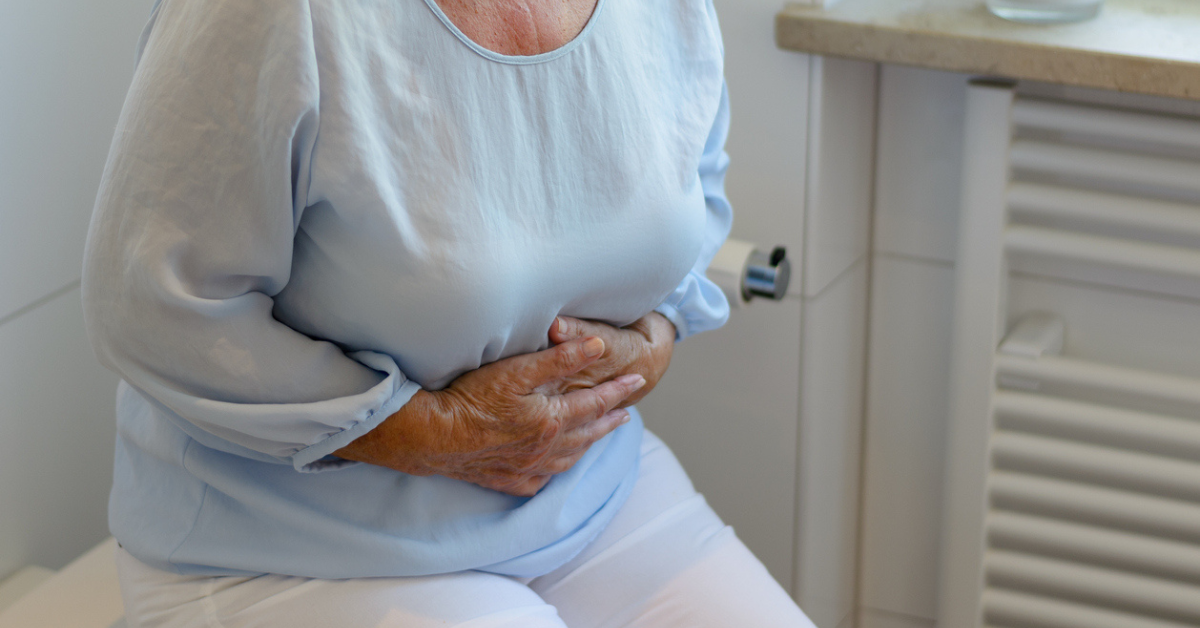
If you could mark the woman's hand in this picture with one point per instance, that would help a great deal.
(508, 426)
(643, 347)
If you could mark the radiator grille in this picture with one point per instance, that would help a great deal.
(1085, 511)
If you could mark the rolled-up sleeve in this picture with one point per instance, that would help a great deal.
(192, 235)
(697, 304)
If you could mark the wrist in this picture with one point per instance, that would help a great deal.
(397, 442)
(664, 325)
(659, 334)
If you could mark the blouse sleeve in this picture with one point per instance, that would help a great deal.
(191, 238)
(698, 304)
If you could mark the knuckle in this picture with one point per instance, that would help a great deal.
(598, 406)
(565, 356)
(551, 428)
(562, 465)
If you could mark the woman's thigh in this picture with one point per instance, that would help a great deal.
(158, 599)
(667, 560)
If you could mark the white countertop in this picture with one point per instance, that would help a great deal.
(1142, 46)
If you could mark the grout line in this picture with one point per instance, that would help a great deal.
(40, 302)
(864, 389)
(906, 257)
(840, 276)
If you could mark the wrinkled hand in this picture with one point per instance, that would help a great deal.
(643, 347)
(508, 426)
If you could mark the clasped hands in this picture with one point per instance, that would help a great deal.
(513, 424)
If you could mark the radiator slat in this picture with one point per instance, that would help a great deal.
(1178, 395)
(1107, 166)
(1011, 608)
(1176, 261)
(1102, 122)
(1113, 210)
(1144, 554)
(1105, 587)
(1104, 425)
(1102, 465)
(1147, 514)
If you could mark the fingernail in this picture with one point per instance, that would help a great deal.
(593, 347)
(625, 419)
(559, 325)
(634, 381)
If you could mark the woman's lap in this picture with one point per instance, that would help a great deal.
(665, 560)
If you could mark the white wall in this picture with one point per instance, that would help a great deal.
(64, 68)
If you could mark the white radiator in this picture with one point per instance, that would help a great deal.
(1072, 487)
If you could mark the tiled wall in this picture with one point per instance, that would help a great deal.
(66, 65)
(835, 278)
(916, 219)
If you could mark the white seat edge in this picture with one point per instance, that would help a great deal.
(84, 594)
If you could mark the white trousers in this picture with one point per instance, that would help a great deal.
(666, 560)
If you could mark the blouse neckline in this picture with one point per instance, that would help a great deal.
(542, 57)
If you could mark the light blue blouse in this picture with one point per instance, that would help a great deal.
(314, 208)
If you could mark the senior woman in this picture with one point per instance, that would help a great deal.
(382, 279)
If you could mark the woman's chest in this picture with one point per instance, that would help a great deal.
(519, 27)
(458, 204)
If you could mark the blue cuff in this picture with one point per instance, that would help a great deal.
(318, 456)
(676, 318)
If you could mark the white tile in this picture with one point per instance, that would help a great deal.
(67, 66)
(908, 383)
(728, 408)
(840, 165)
(57, 417)
(831, 410)
(768, 92)
(918, 165)
(870, 618)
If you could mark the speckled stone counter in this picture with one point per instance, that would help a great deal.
(1141, 46)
